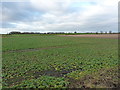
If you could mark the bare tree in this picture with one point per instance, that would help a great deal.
(106, 32)
(75, 32)
(101, 32)
(96, 32)
(110, 32)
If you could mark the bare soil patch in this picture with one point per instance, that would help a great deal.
(32, 49)
(38, 49)
(105, 78)
(36, 74)
(114, 36)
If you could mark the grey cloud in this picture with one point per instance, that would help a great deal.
(25, 17)
(19, 11)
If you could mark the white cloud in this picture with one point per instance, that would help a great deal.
(63, 16)
(51, 6)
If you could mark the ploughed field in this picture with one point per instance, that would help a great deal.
(51, 61)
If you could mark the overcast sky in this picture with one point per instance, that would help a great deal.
(58, 15)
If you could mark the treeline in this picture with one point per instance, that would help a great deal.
(14, 32)
(101, 32)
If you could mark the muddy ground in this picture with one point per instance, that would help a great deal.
(104, 78)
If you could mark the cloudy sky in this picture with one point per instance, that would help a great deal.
(58, 15)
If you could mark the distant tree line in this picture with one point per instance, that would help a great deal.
(101, 32)
(16, 32)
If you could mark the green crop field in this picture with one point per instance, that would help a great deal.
(51, 61)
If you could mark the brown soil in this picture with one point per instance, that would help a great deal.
(114, 36)
(36, 74)
(103, 79)
(33, 49)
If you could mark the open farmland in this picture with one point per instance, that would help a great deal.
(51, 61)
(114, 36)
